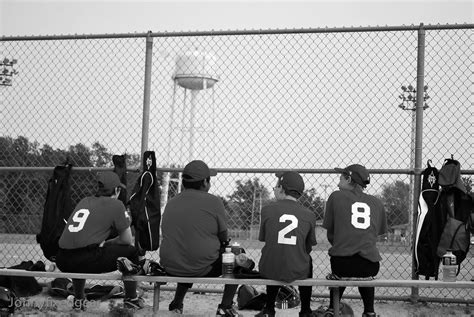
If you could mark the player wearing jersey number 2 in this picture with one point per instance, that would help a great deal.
(288, 230)
(353, 221)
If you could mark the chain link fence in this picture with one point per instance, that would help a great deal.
(248, 103)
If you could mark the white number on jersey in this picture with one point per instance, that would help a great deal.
(293, 225)
(79, 219)
(360, 215)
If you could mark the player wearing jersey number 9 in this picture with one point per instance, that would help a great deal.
(97, 233)
(353, 221)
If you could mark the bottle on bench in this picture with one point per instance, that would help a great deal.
(228, 263)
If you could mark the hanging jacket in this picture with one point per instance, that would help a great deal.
(57, 209)
(428, 225)
(144, 205)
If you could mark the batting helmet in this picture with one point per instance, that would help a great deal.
(7, 301)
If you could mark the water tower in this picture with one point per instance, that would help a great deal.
(195, 74)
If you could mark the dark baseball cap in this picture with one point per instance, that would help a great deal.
(291, 181)
(197, 170)
(358, 173)
(109, 181)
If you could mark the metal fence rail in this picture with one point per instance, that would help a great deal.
(247, 103)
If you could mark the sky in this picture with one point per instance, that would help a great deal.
(41, 17)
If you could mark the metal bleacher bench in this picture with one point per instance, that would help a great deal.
(160, 280)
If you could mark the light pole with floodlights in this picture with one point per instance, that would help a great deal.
(408, 98)
(7, 71)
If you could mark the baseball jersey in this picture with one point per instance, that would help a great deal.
(190, 225)
(288, 230)
(92, 221)
(353, 221)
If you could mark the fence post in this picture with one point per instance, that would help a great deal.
(420, 73)
(146, 93)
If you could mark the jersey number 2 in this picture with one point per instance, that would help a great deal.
(283, 232)
(360, 215)
(79, 219)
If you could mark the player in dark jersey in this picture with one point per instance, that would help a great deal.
(288, 230)
(84, 246)
(194, 227)
(353, 221)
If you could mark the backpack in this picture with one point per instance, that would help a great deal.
(57, 209)
(24, 286)
(454, 206)
(144, 205)
(62, 287)
(249, 298)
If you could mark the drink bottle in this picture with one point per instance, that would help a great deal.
(228, 263)
(449, 266)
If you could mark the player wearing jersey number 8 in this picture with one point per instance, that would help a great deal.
(353, 221)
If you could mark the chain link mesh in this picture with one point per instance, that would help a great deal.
(259, 101)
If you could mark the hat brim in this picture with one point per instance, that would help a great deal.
(212, 172)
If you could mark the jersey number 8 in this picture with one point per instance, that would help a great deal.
(360, 218)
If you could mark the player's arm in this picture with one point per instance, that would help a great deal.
(124, 238)
(328, 221)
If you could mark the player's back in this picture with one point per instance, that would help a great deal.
(288, 230)
(355, 220)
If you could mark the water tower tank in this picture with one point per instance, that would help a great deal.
(195, 70)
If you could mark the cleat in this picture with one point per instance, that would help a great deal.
(266, 313)
(135, 303)
(177, 309)
(228, 312)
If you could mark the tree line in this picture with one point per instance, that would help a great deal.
(22, 193)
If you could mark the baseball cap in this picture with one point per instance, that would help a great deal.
(358, 173)
(197, 170)
(109, 181)
(291, 181)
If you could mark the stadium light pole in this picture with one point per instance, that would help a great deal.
(408, 98)
(7, 71)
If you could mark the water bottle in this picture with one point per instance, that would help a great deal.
(449, 267)
(228, 263)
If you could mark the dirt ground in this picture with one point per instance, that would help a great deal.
(206, 305)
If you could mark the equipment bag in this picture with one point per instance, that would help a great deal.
(144, 205)
(454, 206)
(57, 209)
(249, 298)
(428, 225)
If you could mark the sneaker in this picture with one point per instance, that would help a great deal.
(175, 308)
(134, 303)
(323, 312)
(227, 311)
(125, 266)
(79, 304)
(266, 313)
